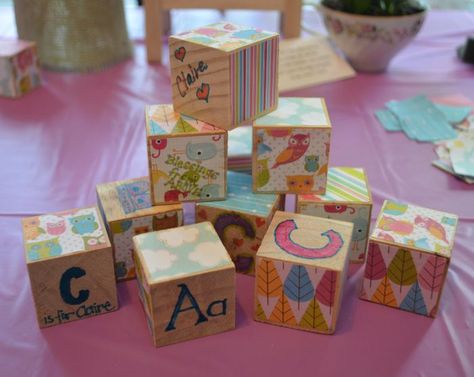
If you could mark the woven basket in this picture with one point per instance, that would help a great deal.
(75, 35)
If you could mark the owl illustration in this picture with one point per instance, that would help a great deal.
(297, 146)
(158, 145)
(311, 163)
(263, 173)
(300, 184)
(261, 146)
(83, 224)
(43, 249)
(56, 228)
(201, 151)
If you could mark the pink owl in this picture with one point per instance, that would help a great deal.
(297, 146)
(158, 145)
(56, 228)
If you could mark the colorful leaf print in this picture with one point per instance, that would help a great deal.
(260, 313)
(269, 287)
(313, 318)
(299, 290)
(282, 312)
(326, 290)
(432, 275)
(402, 270)
(384, 294)
(182, 127)
(413, 301)
(375, 266)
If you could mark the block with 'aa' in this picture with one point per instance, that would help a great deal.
(291, 148)
(70, 264)
(408, 257)
(186, 282)
(19, 67)
(241, 220)
(347, 198)
(300, 272)
(127, 211)
(224, 74)
(187, 158)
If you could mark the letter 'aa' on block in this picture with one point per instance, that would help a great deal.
(19, 67)
(300, 272)
(70, 264)
(347, 198)
(127, 211)
(187, 158)
(186, 282)
(291, 148)
(408, 258)
(241, 220)
(224, 74)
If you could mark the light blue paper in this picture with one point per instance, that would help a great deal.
(421, 120)
(454, 114)
(388, 120)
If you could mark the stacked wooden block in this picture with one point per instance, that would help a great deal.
(224, 75)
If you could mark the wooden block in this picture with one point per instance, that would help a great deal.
(186, 283)
(347, 198)
(70, 264)
(291, 148)
(301, 270)
(241, 220)
(408, 258)
(19, 68)
(127, 211)
(209, 80)
(187, 158)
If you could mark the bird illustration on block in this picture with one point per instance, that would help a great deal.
(297, 146)
(432, 226)
(400, 227)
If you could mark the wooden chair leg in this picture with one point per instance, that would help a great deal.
(153, 30)
(291, 19)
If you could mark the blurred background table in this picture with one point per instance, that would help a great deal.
(78, 130)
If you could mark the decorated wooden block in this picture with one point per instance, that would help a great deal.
(241, 220)
(187, 158)
(347, 198)
(186, 282)
(224, 74)
(19, 67)
(291, 148)
(301, 270)
(70, 264)
(408, 257)
(127, 211)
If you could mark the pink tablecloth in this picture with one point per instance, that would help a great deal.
(58, 142)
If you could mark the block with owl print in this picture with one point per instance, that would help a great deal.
(300, 272)
(408, 257)
(224, 74)
(127, 211)
(70, 264)
(241, 220)
(187, 158)
(186, 282)
(347, 198)
(291, 148)
(19, 68)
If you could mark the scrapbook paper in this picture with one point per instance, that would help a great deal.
(461, 152)
(454, 114)
(388, 120)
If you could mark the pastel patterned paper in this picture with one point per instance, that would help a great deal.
(291, 147)
(181, 251)
(406, 279)
(53, 235)
(461, 151)
(225, 36)
(415, 227)
(347, 198)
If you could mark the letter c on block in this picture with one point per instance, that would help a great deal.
(65, 286)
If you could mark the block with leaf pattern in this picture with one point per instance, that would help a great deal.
(347, 198)
(300, 272)
(187, 158)
(224, 74)
(127, 211)
(241, 220)
(408, 257)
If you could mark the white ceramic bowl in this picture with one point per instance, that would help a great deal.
(370, 42)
